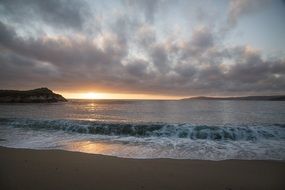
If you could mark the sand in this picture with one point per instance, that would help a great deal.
(58, 170)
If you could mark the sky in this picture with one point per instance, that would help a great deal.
(143, 49)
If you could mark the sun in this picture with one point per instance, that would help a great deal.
(90, 95)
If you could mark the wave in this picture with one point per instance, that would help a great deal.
(216, 133)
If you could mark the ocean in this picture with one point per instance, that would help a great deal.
(197, 129)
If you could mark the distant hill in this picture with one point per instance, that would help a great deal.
(248, 98)
(39, 95)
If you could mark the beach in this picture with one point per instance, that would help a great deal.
(58, 169)
(142, 95)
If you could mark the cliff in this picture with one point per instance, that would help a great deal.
(39, 95)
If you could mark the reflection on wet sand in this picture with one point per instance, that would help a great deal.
(98, 147)
(114, 149)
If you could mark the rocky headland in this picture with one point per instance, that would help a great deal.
(39, 95)
(253, 98)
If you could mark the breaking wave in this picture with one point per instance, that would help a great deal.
(186, 130)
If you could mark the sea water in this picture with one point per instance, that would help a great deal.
(197, 129)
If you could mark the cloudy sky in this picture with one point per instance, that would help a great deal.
(144, 48)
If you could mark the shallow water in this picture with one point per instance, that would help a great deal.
(211, 130)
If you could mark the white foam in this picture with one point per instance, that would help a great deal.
(146, 147)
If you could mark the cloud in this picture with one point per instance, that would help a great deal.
(252, 69)
(72, 56)
(145, 35)
(149, 8)
(63, 14)
(202, 39)
(130, 56)
(136, 68)
(240, 8)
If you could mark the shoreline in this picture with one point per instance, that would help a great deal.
(59, 169)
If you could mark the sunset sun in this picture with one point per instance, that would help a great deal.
(91, 95)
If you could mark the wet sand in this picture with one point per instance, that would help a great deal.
(55, 169)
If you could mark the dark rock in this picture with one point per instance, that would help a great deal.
(39, 95)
